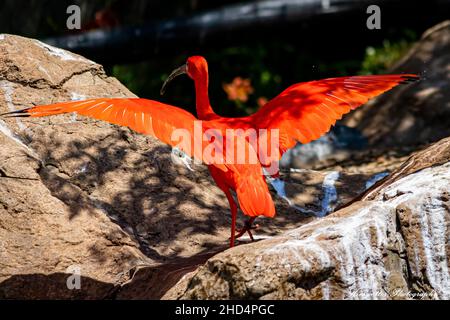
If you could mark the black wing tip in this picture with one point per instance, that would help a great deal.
(16, 114)
(410, 78)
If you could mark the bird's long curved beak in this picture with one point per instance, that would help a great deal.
(175, 73)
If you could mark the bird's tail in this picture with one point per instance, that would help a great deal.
(254, 196)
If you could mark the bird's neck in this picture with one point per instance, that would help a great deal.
(204, 109)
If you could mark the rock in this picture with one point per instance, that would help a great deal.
(43, 239)
(415, 114)
(436, 154)
(82, 194)
(79, 194)
(338, 144)
(391, 245)
(82, 197)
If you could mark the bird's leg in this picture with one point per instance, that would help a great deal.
(248, 227)
(233, 208)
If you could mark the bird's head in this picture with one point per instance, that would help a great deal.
(195, 67)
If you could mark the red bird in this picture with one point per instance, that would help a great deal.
(303, 112)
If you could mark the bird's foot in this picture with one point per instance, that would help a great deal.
(248, 227)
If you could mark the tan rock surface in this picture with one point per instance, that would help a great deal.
(79, 192)
(394, 246)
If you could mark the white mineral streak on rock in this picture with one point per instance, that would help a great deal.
(2, 36)
(83, 169)
(375, 178)
(42, 69)
(357, 255)
(433, 229)
(7, 132)
(60, 53)
(74, 96)
(180, 158)
(258, 261)
(325, 290)
(279, 187)
(255, 236)
(329, 193)
(8, 91)
(424, 189)
(328, 188)
(427, 92)
(353, 253)
(359, 269)
(298, 170)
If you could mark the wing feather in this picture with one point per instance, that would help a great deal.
(306, 111)
(141, 115)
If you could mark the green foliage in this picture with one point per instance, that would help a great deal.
(137, 77)
(379, 59)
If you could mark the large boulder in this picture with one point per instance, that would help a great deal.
(393, 244)
(416, 114)
(79, 195)
(45, 238)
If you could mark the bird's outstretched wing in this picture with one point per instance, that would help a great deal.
(160, 120)
(141, 115)
(305, 111)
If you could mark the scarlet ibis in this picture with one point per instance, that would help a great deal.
(303, 112)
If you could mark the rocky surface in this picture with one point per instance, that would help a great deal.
(391, 242)
(44, 237)
(79, 195)
(416, 114)
(394, 245)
